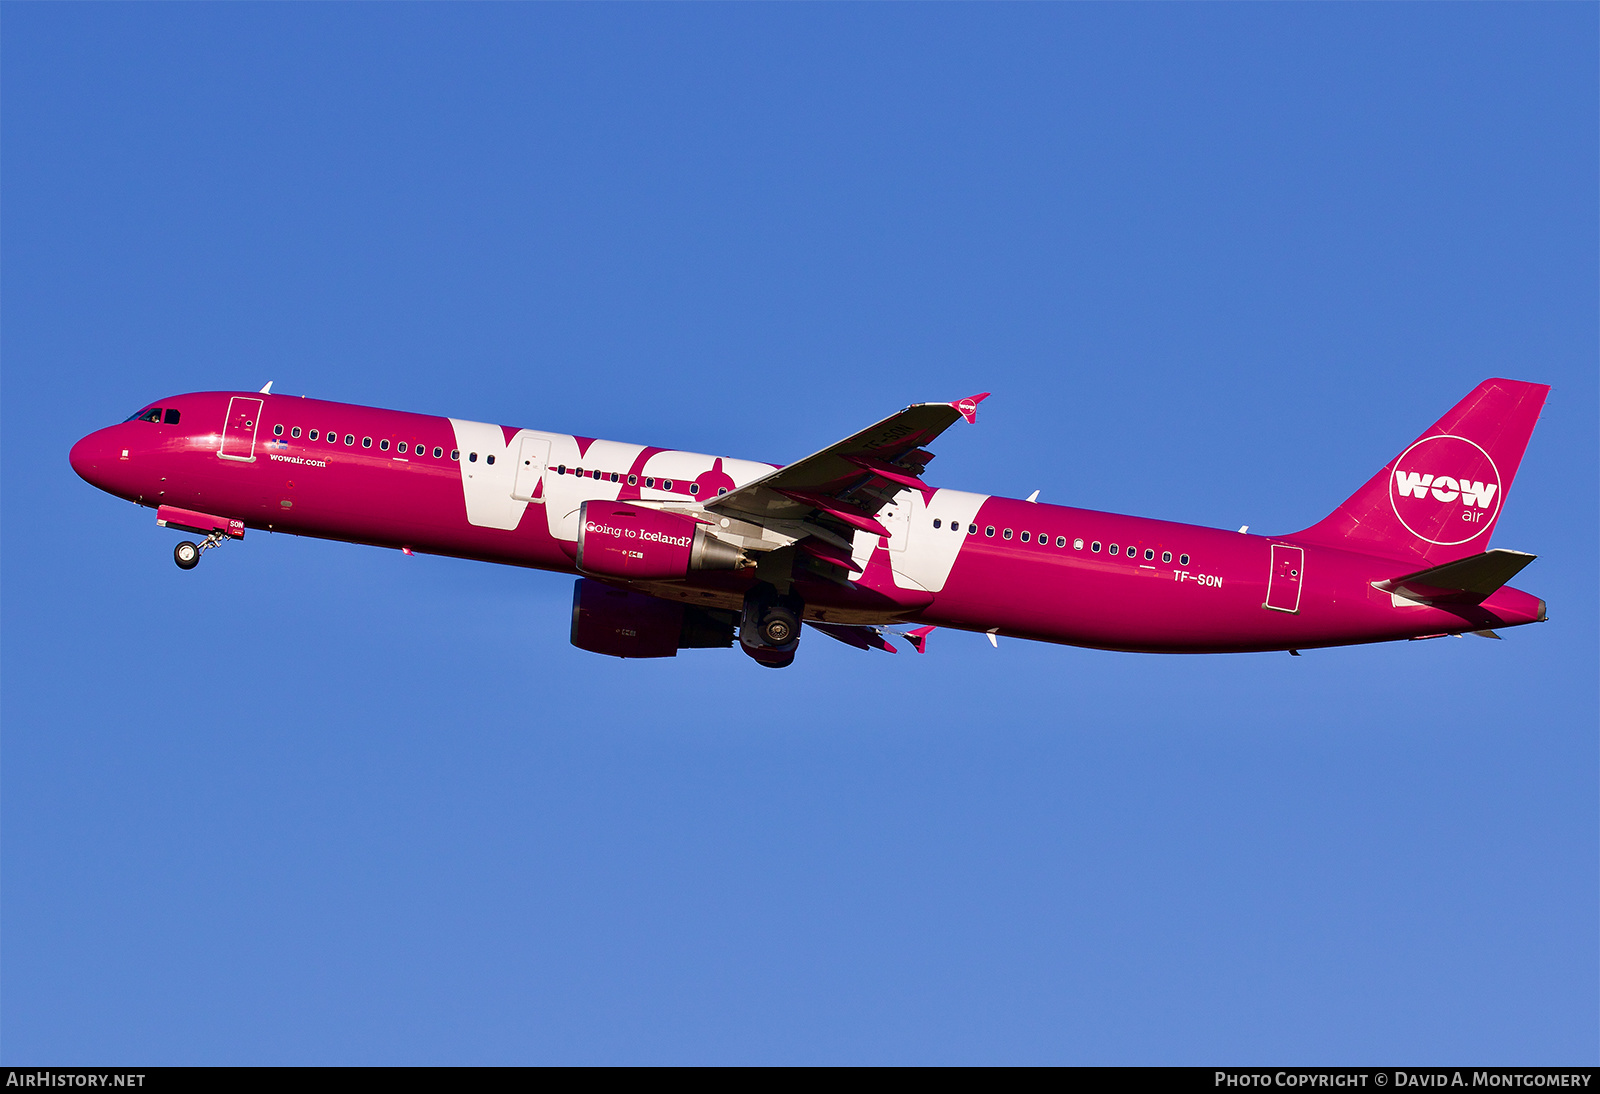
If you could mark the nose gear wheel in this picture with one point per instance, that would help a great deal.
(187, 554)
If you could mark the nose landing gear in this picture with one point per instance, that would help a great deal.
(187, 555)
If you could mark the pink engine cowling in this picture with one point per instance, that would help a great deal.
(624, 623)
(616, 539)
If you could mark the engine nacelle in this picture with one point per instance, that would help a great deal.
(623, 623)
(638, 543)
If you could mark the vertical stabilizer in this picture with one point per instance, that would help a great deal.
(1440, 498)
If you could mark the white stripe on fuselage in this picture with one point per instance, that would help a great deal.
(488, 486)
(930, 553)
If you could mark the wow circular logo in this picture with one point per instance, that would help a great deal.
(1445, 490)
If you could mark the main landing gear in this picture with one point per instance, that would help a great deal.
(769, 627)
(187, 555)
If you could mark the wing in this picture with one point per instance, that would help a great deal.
(842, 488)
(862, 638)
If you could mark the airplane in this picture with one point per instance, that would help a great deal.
(676, 550)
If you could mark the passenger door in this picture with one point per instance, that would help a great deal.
(1283, 584)
(239, 430)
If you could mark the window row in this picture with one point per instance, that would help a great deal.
(632, 480)
(400, 447)
(1043, 539)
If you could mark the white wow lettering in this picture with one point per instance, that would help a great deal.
(1444, 488)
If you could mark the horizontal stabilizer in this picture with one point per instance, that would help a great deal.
(1465, 581)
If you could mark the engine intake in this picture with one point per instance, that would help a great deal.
(641, 544)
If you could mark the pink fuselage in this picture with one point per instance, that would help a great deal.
(948, 576)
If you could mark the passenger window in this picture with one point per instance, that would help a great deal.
(989, 531)
(972, 529)
(349, 438)
(721, 490)
(383, 445)
(489, 460)
(666, 484)
(439, 452)
(472, 457)
(633, 480)
(312, 434)
(1166, 556)
(295, 433)
(400, 447)
(1007, 533)
(694, 488)
(1077, 544)
(649, 482)
(277, 430)
(1149, 554)
(1133, 552)
(1183, 560)
(333, 436)
(151, 415)
(1113, 549)
(615, 477)
(1095, 546)
(1025, 538)
(1044, 539)
(455, 453)
(936, 523)
(561, 469)
(366, 442)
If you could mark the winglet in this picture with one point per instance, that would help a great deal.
(969, 407)
(268, 390)
(918, 638)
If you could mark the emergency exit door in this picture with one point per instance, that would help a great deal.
(1283, 584)
(531, 460)
(239, 430)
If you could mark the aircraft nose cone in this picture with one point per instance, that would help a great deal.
(91, 457)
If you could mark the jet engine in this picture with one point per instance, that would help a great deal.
(638, 543)
(623, 623)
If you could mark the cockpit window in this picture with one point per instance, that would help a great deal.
(151, 415)
(171, 417)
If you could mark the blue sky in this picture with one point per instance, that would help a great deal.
(320, 803)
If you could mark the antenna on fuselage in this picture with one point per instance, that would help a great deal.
(268, 389)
